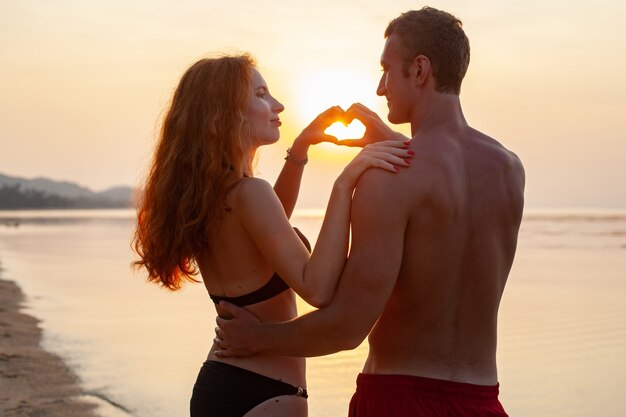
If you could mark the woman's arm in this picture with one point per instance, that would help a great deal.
(314, 278)
(287, 186)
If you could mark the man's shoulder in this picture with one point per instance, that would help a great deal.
(495, 160)
(392, 193)
(385, 182)
(496, 150)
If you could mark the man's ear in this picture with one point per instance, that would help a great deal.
(420, 68)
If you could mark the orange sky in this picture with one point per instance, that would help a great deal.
(83, 83)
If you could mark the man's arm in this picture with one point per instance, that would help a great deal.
(379, 219)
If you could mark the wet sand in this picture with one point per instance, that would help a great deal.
(33, 382)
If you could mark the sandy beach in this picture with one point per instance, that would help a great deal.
(33, 382)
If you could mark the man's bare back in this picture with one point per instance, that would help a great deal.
(462, 205)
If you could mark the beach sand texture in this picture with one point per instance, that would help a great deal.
(33, 382)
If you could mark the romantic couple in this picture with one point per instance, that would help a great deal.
(434, 223)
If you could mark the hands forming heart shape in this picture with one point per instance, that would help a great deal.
(354, 130)
(357, 126)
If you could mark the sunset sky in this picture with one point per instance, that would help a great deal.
(83, 83)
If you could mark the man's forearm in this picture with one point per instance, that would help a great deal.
(305, 336)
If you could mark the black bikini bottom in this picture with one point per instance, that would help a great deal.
(228, 391)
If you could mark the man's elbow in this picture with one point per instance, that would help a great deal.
(345, 334)
(350, 340)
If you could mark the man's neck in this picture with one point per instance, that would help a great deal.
(440, 111)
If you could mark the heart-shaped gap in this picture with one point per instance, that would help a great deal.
(355, 130)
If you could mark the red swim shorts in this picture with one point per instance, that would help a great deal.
(414, 396)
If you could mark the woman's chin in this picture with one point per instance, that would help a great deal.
(268, 141)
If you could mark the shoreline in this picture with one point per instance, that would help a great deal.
(34, 382)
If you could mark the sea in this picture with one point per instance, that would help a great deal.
(137, 348)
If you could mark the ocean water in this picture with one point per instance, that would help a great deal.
(137, 348)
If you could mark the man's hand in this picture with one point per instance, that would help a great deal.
(235, 337)
(375, 129)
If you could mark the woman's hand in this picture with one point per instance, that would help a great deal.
(390, 155)
(314, 132)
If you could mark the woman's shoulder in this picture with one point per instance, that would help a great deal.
(252, 190)
(254, 200)
(252, 185)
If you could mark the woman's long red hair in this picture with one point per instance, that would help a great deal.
(202, 151)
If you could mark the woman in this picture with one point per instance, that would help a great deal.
(202, 209)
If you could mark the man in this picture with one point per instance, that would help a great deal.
(431, 250)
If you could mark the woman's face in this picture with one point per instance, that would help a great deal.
(262, 112)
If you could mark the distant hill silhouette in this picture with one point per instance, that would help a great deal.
(22, 193)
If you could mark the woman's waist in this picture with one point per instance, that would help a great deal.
(285, 368)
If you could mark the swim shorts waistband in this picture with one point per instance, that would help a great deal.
(427, 386)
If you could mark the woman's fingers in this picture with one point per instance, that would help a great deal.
(391, 147)
(330, 116)
(314, 132)
(384, 160)
(330, 139)
(386, 155)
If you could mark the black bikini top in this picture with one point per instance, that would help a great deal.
(273, 287)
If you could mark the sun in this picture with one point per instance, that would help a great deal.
(354, 130)
(316, 91)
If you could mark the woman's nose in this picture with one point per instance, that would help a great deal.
(278, 106)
